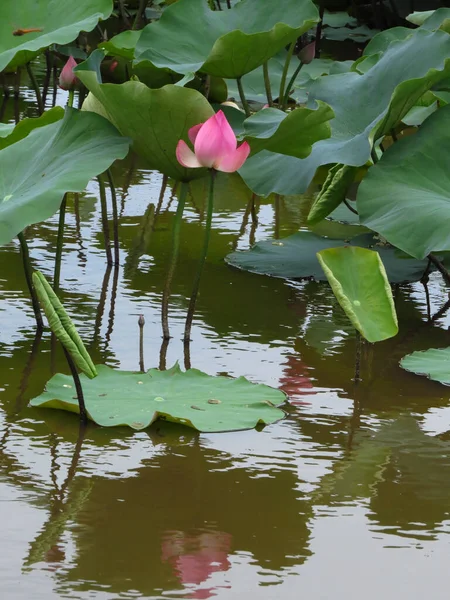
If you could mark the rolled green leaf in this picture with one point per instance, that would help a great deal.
(62, 326)
(332, 193)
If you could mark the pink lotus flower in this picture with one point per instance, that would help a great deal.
(67, 79)
(215, 146)
(307, 54)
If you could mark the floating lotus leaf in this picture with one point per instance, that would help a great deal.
(358, 279)
(406, 196)
(60, 23)
(385, 93)
(433, 363)
(192, 398)
(37, 171)
(226, 43)
(294, 257)
(155, 119)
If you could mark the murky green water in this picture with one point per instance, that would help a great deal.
(348, 497)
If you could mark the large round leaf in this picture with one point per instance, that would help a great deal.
(433, 363)
(191, 37)
(23, 127)
(385, 93)
(37, 171)
(294, 257)
(358, 279)
(60, 22)
(406, 196)
(154, 119)
(191, 398)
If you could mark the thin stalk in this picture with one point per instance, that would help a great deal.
(28, 271)
(141, 323)
(35, 86)
(285, 72)
(161, 194)
(112, 188)
(173, 260)
(139, 13)
(440, 267)
(187, 355)
(59, 243)
(350, 207)
(319, 28)
(55, 85)
(243, 98)
(105, 224)
(48, 72)
(290, 85)
(228, 3)
(201, 264)
(78, 388)
(123, 14)
(373, 154)
(70, 99)
(267, 83)
(358, 358)
(6, 94)
(17, 95)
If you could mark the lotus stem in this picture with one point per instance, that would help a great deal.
(101, 305)
(358, 357)
(291, 85)
(243, 98)
(105, 224)
(6, 94)
(141, 323)
(28, 270)
(267, 83)
(59, 244)
(440, 267)
(78, 387)
(373, 154)
(201, 264)
(112, 188)
(35, 86)
(17, 95)
(285, 72)
(319, 28)
(350, 207)
(139, 13)
(55, 85)
(161, 195)
(71, 97)
(187, 354)
(48, 73)
(173, 260)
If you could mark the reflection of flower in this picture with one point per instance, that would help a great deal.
(295, 381)
(215, 146)
(195, 557)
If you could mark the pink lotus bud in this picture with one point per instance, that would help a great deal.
(215, 146)
(67, 79)
(306, 54)
(113, 65)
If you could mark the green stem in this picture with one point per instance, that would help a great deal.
(105, 223)
(27, 269)
(37, 91)
(243, 98)
(112, 188)
(291, 85)
(267, 83)
(59, 244)
(201, 264)
(173, 260)
(71, 96)
(139, 13)
(78, 388)
(285, 72)
(373, 154)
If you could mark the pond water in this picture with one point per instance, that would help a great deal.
(348, 497)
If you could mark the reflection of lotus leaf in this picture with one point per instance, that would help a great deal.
(191, 398)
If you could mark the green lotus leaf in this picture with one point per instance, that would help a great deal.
(406, 196)
(294, 257)
(383, 39)
(357, 34)
(38, 170)
(155, 119)
(232, 42)
(433, 363)
(358, 279)
(192, 398)
(59, 22)
(293, 133)
(419, 17)
(385, 93)
(25, 126)
(122, 44)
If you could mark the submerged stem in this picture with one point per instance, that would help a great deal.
(267, 83)
(35, 86)
(201, 264)
(243, 98)
(173, 260)
(285, 72)
(27, 269)
(59, 244)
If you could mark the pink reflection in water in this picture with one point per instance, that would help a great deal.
(195, 557)
(295, 381)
